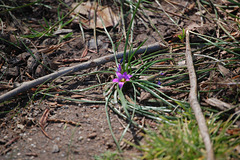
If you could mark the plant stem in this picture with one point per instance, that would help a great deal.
(194, 101)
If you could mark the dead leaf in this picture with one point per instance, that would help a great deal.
(50, 49)
(104, 14)
(182, 63)
(10, 29)
(223, 70)
(218, 103)
(145, 96)
(166, 89)
(234, 131)
(62, 31)
(199, 13)
(192, 26)
(77, 96)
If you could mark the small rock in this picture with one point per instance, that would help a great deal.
(40, 71)
(32, 63)
(55, 149)
(35, 113)
(58, 138)
(22, 57)
(33, 129)
(92, 44)
(23, 134)
(67, 1)
(33, 145)
(109, 145)
(13, 71)
(65, 107)
(86, 116)
(80, 138)
(2, 141)
(20, 126)
(92, 135)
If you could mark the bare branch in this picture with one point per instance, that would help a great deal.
(102, 60)
(194, 101)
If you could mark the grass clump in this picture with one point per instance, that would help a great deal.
(180, 141)
(108, 156)
(183, 141)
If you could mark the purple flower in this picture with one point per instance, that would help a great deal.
(119, 68)
(159, 83)
(122, 78)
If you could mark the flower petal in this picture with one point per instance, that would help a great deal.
(115, 80)
(163, 73)
(119, 68)
(120, 76)
(129, 76)
(121, 84)
(125, 75)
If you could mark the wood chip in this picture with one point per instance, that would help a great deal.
(224, 70)
(218, 103)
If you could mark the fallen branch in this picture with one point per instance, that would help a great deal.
(194, 101)
(102, 60)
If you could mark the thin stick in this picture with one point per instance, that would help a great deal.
(194, 101)
(89, 64)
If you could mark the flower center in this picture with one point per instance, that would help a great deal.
(123, 80)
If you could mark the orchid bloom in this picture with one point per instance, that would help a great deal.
(122, 78)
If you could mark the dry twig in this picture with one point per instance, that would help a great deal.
(194, 101)
(43, 122)
(64, 121)
(102, 60)
(7, 146)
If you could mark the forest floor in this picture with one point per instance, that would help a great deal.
(77, 128)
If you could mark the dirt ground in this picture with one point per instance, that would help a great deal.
(83, 131)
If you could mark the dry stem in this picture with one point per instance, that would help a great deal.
(102, 60)
(194, 101)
